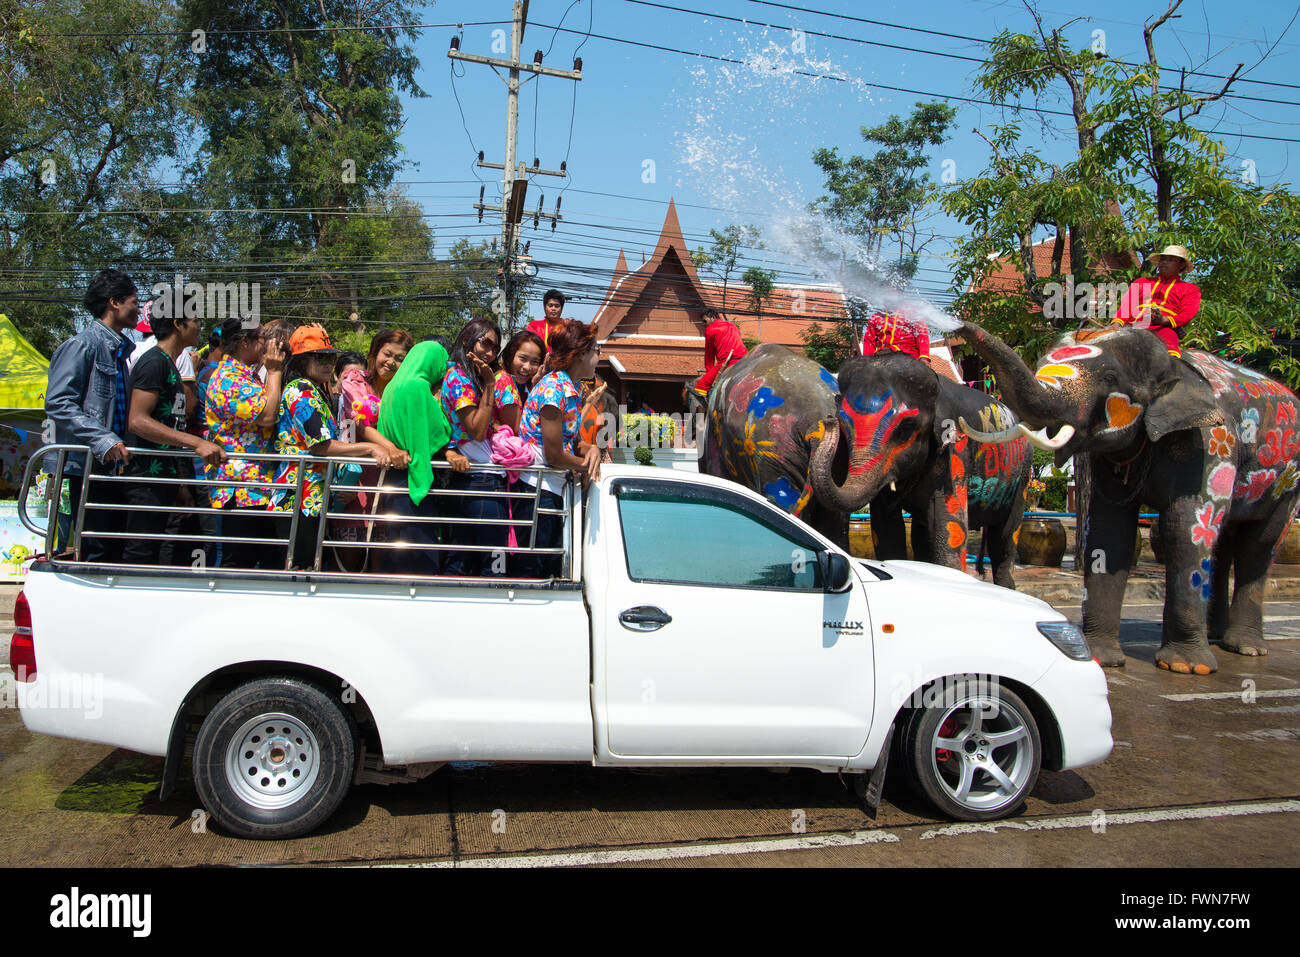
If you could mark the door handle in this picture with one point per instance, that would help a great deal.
(644, 618)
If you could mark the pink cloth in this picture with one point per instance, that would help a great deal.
(514, 453)
(360, 400)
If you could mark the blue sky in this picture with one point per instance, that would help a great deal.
(732, 143)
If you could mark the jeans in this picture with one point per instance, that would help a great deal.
(475, 506)
(550, 533)
(304, 542)
(93, 548)
(242, 523)
(144, 551)
(414, 559)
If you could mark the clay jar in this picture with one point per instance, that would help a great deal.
(1041, 541)
(862, 543)
(1288, 553)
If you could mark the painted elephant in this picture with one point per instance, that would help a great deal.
(1212, 446)
(900, 423)
(885, 432)
(766, 415)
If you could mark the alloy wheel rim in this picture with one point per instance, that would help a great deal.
(981, 753)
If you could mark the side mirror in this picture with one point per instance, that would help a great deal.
(839, 577)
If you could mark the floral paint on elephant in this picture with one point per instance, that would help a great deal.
(1059, 364)
(1260, 444)
(1222, 480)
(1206, 529)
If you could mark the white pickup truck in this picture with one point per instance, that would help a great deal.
(697, 625)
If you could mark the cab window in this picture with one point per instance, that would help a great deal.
(686, 538)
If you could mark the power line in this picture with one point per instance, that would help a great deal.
(880, 86)
(188, 34)
(985, 40)
(894, 46)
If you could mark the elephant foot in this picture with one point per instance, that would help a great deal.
(1187, 658)
(1106, 652)
(1250, 645)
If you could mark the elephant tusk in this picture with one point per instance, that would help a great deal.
(1006, 435)
(1040, 439)
(893, 486)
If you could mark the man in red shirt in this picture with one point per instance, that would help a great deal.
(1165, 303)
(723, 347)
(553, 304)
(894, 332)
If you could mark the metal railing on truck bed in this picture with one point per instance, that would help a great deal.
(67, 547)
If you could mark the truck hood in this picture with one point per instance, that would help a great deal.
(935, 580)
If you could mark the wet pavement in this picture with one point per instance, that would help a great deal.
(1198, 777)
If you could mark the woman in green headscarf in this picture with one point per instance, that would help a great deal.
(411, 417)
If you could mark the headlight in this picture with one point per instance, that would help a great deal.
(1067, 638)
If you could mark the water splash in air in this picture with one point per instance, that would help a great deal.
(740, 116)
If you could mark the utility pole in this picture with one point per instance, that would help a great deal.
(514, 181)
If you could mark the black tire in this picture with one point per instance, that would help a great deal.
(299, 741)
(939, 773)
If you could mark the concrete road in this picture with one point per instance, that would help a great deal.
(1204, 772)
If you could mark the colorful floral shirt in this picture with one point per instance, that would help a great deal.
(305, 420)
(557, 389)
(234, 399)
(458, 392)
(505, 392)
(360, 400)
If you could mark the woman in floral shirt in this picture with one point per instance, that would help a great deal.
(469, 398)
(521, 360)
(550, 424)
(363, 389)
(306, 427)
(240, 412)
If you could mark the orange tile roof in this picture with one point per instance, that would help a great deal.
(666, 295)
(651, 364)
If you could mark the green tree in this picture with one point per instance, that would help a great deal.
(880, 197)
(1142, 177)
(722, 259)
(300, 113)
(761, 282)
(90, 122)
(830, 348)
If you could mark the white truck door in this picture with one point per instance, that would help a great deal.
(718, 635)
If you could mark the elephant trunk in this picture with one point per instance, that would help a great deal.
(848, 497)
(1028, 397)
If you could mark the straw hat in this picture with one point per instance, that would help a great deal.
(1179, 252)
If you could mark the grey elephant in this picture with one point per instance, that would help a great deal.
(885, 432)
(1212, 446)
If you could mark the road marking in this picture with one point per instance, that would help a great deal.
(1225, 695)
(1119, 817)
(630, 855)
(857, 838)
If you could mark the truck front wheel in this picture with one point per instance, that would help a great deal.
(976, 756)
(274, 758)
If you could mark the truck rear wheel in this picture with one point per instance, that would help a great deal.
(975, 756)
(274, 758)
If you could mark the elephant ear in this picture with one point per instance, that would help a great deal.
(1185, 401)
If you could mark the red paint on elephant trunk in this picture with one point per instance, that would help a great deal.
(872, 431)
